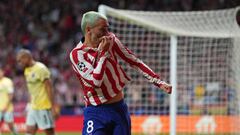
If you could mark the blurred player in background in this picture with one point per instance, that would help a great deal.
(95, 62)
(41, 112)
(6, 105)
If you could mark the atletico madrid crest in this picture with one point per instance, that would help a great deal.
(82, 67)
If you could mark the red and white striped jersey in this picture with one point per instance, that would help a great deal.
(100, 74)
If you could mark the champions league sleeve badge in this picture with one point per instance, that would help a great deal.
(82, 67)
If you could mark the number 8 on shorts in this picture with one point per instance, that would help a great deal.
(89, 126)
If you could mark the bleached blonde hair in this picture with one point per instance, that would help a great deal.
(90, 18)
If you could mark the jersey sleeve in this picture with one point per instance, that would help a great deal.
(128, 56)
(92, 74)
(44, 73)
(9, 86)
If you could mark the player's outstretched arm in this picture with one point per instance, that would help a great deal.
(141, 67)
(164, 86)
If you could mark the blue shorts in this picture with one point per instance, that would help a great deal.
(107, 119)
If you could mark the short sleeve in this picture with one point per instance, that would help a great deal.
(44, 73)
(9, 86)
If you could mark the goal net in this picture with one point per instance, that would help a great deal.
(199, 53)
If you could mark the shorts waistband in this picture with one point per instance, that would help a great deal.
(119, 103)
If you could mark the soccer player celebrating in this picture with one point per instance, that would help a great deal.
(41, 112)
(95, 62)
(6, 105)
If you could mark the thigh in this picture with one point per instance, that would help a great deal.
(44, 119)
(95, 123)
(1, 116)
(31, 124)
(93, 126)
(122, 121)
(122, 129)
(100, 132)
(30, 119)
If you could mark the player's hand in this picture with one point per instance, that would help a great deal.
(165, 87)
(55, 112)
(27, 108)
(106, 42)
(4, 110)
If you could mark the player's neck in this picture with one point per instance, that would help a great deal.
(90, 44)
(32, 63)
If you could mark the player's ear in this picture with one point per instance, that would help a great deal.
(88, 29)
